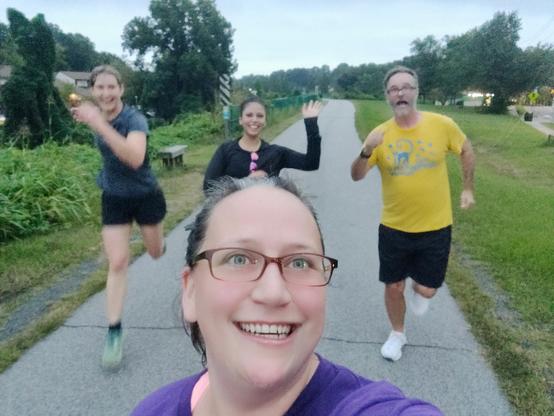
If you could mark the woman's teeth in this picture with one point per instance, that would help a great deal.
(267, 330)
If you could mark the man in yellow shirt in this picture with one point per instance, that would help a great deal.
(415, 231)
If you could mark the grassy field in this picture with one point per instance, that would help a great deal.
(501, 268)
(549, 125)
(31, 265)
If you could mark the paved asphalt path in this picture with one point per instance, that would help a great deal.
(542, 114)
(442, 362)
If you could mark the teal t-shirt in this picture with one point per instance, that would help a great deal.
(116, 178)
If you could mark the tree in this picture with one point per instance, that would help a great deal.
(323, 78)
(8, 51)
(426, 58)
(496, 61)
(455, 71)
(78, 50)
(539, 64)
(32, 102)
(191, 45)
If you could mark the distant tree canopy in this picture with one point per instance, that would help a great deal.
(76, 52)
(8, 51)
(191, 45)
(34, 109)
(486, 59)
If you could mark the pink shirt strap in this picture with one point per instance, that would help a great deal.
(198, 390)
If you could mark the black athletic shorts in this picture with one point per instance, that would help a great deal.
(421, 256)
(149, 209)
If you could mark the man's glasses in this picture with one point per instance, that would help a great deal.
(243, 265)
(253, 159)
(404, 89)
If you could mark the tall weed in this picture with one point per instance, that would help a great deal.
(45, 187)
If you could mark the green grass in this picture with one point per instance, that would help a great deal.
(34, 263)
(510, 234)
(44, 188)
(549, 125)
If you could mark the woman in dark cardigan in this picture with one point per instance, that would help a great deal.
(250, 155)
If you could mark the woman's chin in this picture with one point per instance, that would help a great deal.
(272, 374)
(263, 374)
(264, 380)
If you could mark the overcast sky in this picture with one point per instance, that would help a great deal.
(283, 34)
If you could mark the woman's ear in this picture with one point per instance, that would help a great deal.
(188, 298)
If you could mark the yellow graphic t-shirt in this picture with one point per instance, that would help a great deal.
(412, 162)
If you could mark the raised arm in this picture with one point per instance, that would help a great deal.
(467, 158)
(360, 167)
(131, 150)
(311, 109)
(310, 160)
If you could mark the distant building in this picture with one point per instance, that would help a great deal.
(477, 99)
(79, 80)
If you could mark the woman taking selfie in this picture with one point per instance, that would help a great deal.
(253, 300)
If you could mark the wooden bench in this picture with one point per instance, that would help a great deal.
(172, 155)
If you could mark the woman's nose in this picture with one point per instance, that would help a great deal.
(271, 288)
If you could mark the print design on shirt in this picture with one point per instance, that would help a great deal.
(405, 158)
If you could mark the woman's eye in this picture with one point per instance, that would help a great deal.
(299, 263)
(238, 260)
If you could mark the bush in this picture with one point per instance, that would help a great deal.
(54, 185)
(189, 129)
(46, 187)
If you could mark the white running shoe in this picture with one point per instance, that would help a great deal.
(418, 304)
(392, 348)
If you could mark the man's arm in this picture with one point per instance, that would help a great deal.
(467, 158)
(360, 167)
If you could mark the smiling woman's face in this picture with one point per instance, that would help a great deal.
(261, 333)
(107, 93)
(252, 119)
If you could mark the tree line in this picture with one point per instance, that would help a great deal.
(183, 46)
(485, 59)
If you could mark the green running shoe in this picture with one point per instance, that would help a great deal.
(113, 348)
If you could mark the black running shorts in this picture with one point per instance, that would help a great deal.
(421, 256)
(149, 209)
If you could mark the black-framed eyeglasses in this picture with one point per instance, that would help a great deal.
(403, 89)
(232, 264)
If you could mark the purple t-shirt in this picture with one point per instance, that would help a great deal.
(333, 390)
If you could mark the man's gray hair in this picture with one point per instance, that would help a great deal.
(399, 69)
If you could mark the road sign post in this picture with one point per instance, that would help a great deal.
(225, 100)
(226, 118)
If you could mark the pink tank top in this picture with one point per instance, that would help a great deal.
(198, 390)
